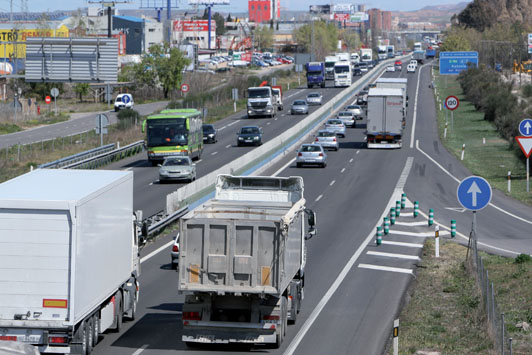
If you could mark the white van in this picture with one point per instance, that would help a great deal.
(411, 68)
(123, 101)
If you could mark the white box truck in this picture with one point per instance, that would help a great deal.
(385, 118)
(69, 260)
(396, 83)
(242, 261)
(329, 66)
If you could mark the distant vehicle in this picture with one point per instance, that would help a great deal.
(356, 71)
(419, 56)
(315, 74)
(278, 96)
(390, 68)
(347, 118)
(343, 74)
(355, 58)
(299, 107)
(343, 56)
(329, 67)
(430, 53)
(311, 154)
(173, 132)
(336, 126)
(177, 168)
(385, 118)
(414, 62)
(356, 109)
(327, 140)
(261, 102)
(210, 134)
(390, 51)
(410, 68)
(123, 101)
(366, 54)
(381, 52)
(314, 98)
(249, 135)
(363, 66)
(362, 97)
(396, 83)
(174, 253)
(417, 46)
(398, 65)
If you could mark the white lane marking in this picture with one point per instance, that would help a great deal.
(284, 167)
(365, 138)
(232, 123)
(319, 198)
(358, 151)
(214, 153)
(418, 234)
(330, 292)
(291, 95)
(415, 109)
(141, 349)
(269, 123)
(393, 255)
(276, 118)
(411, 223)
(199, 161)
(153, 182)
(386, 268)
(343, 169)
(458, 181)
(351, 160)
(402, 244)
(332, 183)
(228, 146)
(222, 128)
(155, 252)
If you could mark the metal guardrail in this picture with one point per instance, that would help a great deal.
(78, 157)
(108, 157)
(150, 229)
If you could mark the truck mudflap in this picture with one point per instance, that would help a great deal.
(229, 332)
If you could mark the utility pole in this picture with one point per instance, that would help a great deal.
(313, 38)
(110, 5)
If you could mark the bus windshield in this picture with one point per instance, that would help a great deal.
(167, 131)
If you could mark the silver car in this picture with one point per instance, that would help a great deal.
(311, 154)
(299, 107)
(314, 98)
(336, 126)
(356, 109)
(347, 118)
(174, 253)
(177, 168)
(327, 140)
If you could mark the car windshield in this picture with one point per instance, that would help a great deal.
(310, 148)
(208, 128)
(353, 107)
(176, 161)
(299, 103)
(313, 95)
(326, 134)
(249, 130)
(119, 99)
(332, 122)
(347, 114)
(259, 93)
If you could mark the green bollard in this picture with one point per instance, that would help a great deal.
(392, 216)
(416, 209)
(403, 201)
(379, 236)
(397, 208)
(453, 228)
(386, 225)
(431, 217)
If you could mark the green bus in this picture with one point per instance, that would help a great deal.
(174, 132)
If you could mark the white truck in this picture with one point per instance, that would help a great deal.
(261, 102)
(242, 261)
(366, 55)
(396, 83)
(385, 118)
(329, 67)
(343, 56)
(69, 257)
(382, 53)
(355, 59)
(343, 74)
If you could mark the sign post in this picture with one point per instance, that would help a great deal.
(299, 69)
(234, 92)
(452, 103)
(525, 142)
(101, 126)
(185, 88)
(55, 93)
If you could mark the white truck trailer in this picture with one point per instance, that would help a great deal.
(329, 66)
(385, 118)
(242, 261)
(69, 258)
(396, 83)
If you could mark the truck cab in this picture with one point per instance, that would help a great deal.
(278, 95)
(261, 102)
(315, 74)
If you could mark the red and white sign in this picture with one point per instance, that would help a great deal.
(342, 17)
(452, 103)
(246, 56)
(48, 99)
(185, 87)
(526, 145)
(194, 25)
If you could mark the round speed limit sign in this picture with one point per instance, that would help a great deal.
(452, 103)
(184, 87)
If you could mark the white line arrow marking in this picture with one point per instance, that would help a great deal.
(474, 190)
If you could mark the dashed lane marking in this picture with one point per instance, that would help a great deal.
(228, 146)
(351, 160)
(343, 169)
(319, 198)
(141, 349)
(214, 153)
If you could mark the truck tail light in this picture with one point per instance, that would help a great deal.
(175, 248)
(57, 339)
(191, 316)
(270, 317)
(8, 338)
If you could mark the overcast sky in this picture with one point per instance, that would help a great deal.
(235, 6)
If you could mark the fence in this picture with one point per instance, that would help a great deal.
(494, 318)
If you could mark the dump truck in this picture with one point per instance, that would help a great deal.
(69, 258)
(242, 261)
(385, 118)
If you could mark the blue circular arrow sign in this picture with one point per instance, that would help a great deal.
(525, 127)
(474, 193)
(126, 99)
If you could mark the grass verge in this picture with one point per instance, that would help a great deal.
(491, 160)
(6, 128)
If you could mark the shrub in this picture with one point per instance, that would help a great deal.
(527, 90)
(523, 258)
(127, 118)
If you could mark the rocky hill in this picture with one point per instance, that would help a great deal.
(437, 14)
(480, 14)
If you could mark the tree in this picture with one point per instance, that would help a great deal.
(78, 25)
(455, 42)
(325, 38)
(220, 23)
(81, 89)
(350, 38)
(168, 64)
(263, 37)
(229, 18)
(43, 89)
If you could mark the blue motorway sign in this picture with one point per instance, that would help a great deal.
(474, 193)
(525, 127)
(452, 63)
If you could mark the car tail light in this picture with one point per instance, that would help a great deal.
(270, 317)
(334, 139)
(175, 248)
(316, 139)
(57, 339)
(8, 338)
(321, 154)
(299, 154)
(191, 316)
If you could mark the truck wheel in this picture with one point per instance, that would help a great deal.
(89, 324)
(95, 330)
(118, 309)
(84, 338)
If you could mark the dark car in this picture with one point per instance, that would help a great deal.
(249, 135)
(210, 134)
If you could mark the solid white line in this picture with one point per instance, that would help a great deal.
(141, 349)
(458, 181)
(392, 255)
(415, 110)
(330, 292)
(418, 234)
(403, 244)
(386, 268)
(155, 252)
(343, 169)
(228, 146)
(214, 153)
(291, 95)
(284, 167)
(411, 223)
(332, 183)
(319, 198)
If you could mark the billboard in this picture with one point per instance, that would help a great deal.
(341, 17)
(452, 63)
(193, 25)
(343, 8)
(20, 35)
(320, 9)
(208, 2)
(359, 17)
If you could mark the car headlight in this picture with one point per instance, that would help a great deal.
(211, 135)
(256, 138)
(240, 138)
(163, 172)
